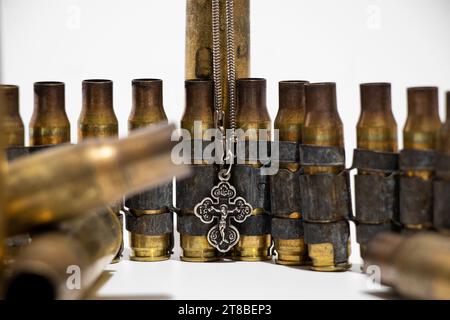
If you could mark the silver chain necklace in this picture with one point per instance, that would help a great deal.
(224, 205)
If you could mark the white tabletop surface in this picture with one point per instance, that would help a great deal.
(174, 279)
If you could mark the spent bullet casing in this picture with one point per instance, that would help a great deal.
(323, 160)
(199, 39)
(416, 266)
(254, 125)
(417, 159)
(64, 262)
(376, 159)
(42, 188)
(13, 128)
(49, 123)
(192, 190)
(149, 218)
(287, 224)
(441, 207)
(98, 120)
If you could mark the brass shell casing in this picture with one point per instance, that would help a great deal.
(252, 114)
(13, 128)
(376, 128)
(76, 250)
(444, 139)
(423, 123)
(49, 123)
(41, 188)
(97, 118)
(421, 131)
(147, 110)
(415, 266)
(199, 107)
(199, 61)
(323, 127)
(289, 123)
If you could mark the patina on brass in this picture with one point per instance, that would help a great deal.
(252, 115)
(423, 123)
(417, 266)
(13, 128)
(3, 102)
(98, 120)
(289, 122)
(323, 127)
(444, 139)
(49, 123)
(68, 181)
(147, 110)
(199, 61)
(199, 107)
(64, 262)
(421, 131)
(376, 129)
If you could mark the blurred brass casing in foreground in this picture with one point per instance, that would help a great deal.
(417, 266)
(13, 128)
(198, 109)
(147, 245)
(65, 262)
(199, 59)
(252, 115)
(68, 181)
(289, 122)
(98, 120)
(49, 123)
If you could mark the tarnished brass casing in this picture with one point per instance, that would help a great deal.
(421, 131)
(376, 128)
(252, 115)
(444, 139)
(422, 126)
(65, 262)
(98, 120)
(147, 110)
(41, 188)
(3, 102)
(13, 128)
(417, 266)
(289, 122)
(199, 62)
(49, 123)
(323, 127)
(199, 107)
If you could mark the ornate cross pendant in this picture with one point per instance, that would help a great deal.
(223, 206)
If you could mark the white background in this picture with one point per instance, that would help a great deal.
(406, 42)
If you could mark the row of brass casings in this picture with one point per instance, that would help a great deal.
(50, 126)
(403, 190)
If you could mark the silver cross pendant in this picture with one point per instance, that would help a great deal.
(223, 207)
